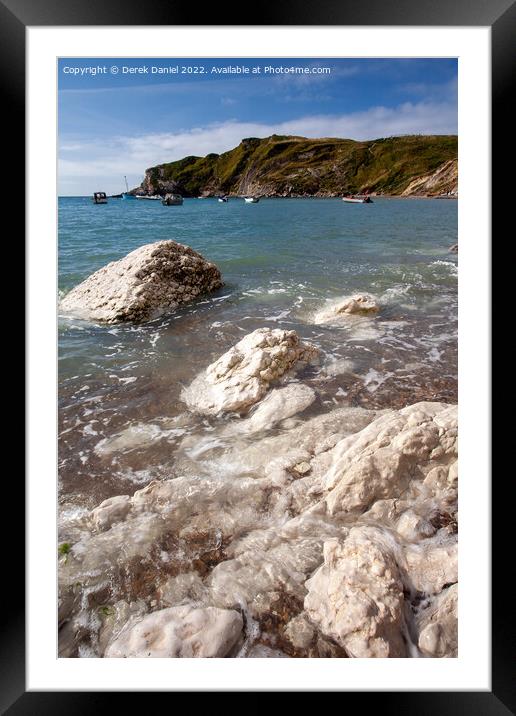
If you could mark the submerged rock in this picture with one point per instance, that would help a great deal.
(242, 376)
(150, 279)
(328, 535)
(357, 305)
(280, 404)
(179, 632)
(112, 510)
(438, 625)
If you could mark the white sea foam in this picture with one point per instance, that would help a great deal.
(373, 379)
(279, 317)
(137, 435)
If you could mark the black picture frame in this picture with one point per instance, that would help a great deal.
(500, 16)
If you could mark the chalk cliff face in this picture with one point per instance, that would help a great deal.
(334, 537)
(297, 166)
(152, 278)
(444, 180)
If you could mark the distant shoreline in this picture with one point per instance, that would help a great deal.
(300, 196)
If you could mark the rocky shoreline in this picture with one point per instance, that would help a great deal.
(333, 535)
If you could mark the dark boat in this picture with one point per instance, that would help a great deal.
(172, 200)
(99, 197)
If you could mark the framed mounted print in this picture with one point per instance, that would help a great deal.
(258, 355)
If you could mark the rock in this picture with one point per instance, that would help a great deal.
(359, 304)
(454, 249)
(112, 510)
(185, 588)
(244, 528)
(356, 596)
(149, 280)
(242, 376)
(179, 632)
(260, 651)
(381, 460)
(413, 527)
(438, 625)
(280, 404)
(430, 567)
(300, 633)
(115, 617)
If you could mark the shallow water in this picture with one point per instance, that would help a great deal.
(282, 260)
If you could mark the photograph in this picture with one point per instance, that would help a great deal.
(257, 357)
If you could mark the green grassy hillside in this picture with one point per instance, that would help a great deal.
(297, 166)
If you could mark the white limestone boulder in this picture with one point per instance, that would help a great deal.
(381, 460)
(356, 596)
(242, 376)
(357, 305)
(179, 632)
(152, 278)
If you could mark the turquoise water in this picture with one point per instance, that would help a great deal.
(282, 260)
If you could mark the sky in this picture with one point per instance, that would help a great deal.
(119, 116)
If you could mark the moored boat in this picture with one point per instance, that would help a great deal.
(357, 199)
(154, 197)
(172, 200)
(251, 199)
(99, 197)
(125, 194)
(223, 199)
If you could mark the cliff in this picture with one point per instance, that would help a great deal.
(297, 166)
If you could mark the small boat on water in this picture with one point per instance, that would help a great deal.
(251, 199)
(223, 199)
(154, 197)
(172, 200)
(99, 197)
(126, 194)
(358, 199)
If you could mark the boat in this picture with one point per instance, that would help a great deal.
(251, 199)
(172, 200)
(125, 194)
(99, 197)
(154, 197)
(357, 199)
(223, 199)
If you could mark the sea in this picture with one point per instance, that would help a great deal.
(121, 417)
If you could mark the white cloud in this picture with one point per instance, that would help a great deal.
(89, 167)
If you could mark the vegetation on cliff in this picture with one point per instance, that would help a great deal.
(297, 166)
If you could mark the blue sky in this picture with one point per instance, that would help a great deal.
(116, 121)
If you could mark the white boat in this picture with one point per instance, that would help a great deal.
(149, 198)
(251, 199)
(357, 199)
(223, 199)
(172, 200)
(126, 194)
